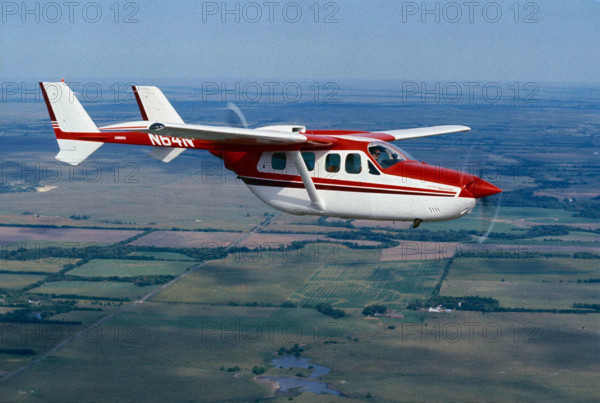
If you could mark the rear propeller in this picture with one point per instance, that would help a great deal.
(235, 116)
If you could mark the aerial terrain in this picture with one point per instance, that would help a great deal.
(126, 279)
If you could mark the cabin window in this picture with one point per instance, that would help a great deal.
(333, 162)
(309, 160)
(353, 163)
(385, 155)
(278, 161)
(372, 169)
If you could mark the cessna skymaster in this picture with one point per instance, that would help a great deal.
(336, 173)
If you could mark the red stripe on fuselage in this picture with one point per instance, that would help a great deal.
(365, 188)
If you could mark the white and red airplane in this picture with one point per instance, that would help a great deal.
(337, 173)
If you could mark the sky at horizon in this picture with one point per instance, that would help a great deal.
(549, 41)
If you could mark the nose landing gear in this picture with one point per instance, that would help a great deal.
(417, 222)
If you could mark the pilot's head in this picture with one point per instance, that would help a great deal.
(376, 152)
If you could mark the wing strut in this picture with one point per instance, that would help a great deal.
(316, 203)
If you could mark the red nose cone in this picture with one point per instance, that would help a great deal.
(480, 188)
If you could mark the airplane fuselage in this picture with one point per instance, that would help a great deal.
(353, 184)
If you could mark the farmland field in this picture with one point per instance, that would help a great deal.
(360, 284)
(197, 341)
(15, 281)
(543, 295)
(98, 289)
(187, 239)
(541, 283)
(129, 268)
(537, 269)
(19, 234)
(42, 265)
(224, 282)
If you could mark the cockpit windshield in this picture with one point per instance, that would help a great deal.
(387, 155)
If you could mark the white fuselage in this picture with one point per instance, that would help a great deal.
(355, 191)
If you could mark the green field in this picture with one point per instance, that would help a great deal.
(526, 295)
(99, 289)
(184, 347)
(129, 268)
(535, 269)
(542, 283)
(157, 197)
(16, 281)
(542, 215)
(35, 336)
(39, 266)
(261, 276)
(226, 282)
(162, 256)
(357, 285)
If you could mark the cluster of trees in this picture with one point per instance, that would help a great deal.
(17, 351)
(364, 235)
(579, 305)
(18, 187)
(258, 370)
(296, 350)
(252, 304)
(79, 217)
(116, 251)
(39, 313)
(471, 303)
(327, 309)
(230, 369)
(373, 309)
(585, 255)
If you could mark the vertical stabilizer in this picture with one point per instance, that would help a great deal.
(69, 121)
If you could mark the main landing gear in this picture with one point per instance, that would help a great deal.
(417, 222)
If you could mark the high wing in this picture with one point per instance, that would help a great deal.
(213, 134)
(407, 134)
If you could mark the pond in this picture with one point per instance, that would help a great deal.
(310, 384)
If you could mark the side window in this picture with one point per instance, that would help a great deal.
(353, 163)
(332, 163)
(372, 169)
(309, 160)
(278, 161)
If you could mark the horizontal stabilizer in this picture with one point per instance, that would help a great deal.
(74, 152)
(165, 154)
